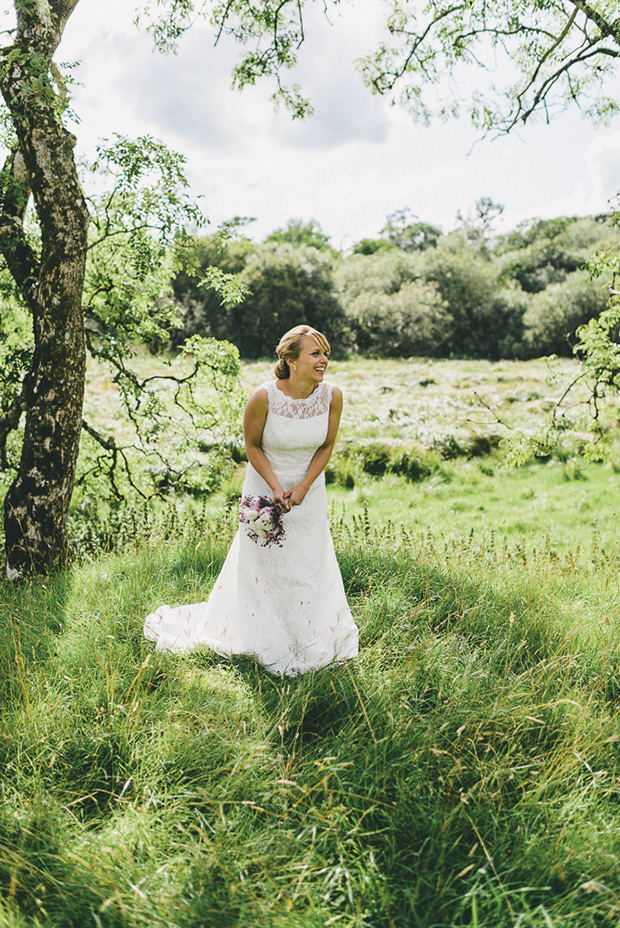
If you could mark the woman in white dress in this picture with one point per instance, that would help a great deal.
(284, 606)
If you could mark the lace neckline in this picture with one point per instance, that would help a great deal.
(297, 399)
(305, 407)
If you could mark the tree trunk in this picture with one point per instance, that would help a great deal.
(37, 503)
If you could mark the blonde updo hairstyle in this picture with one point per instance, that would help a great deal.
(289, 348)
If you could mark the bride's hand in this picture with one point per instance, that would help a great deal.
(279, 496)
(296, 495)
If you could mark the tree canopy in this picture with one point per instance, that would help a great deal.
(535, 56)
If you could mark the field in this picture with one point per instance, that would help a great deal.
(454, 429)
(464, 770)
(461, 420)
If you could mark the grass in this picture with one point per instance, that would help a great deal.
(550, 504)
(463, 770)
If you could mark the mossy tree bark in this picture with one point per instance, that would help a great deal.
(51, 284)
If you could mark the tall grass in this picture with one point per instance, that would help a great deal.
(464, 770)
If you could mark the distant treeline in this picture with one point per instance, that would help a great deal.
(413, 291)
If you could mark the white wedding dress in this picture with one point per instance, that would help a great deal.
(284, 606)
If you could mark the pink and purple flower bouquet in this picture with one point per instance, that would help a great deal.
(262, 518)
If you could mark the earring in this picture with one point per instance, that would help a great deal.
(294, 367)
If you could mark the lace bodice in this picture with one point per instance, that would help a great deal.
(317, 404)
(294, 429)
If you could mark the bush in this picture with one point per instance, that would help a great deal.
(485, 318)
(409, 322)
(554, 314)
(379, 458)
(385, 271)
(540, 253)
(391, 311)
(288, 285)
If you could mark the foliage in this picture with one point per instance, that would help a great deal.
(139, 209)
(174, 431)
(408, 233)
(390, 311)
(548, 55)
(298, 232)
(468, 294)
(16, 349)
(204, 309)
(286, 285)
(555, 313)
(370, 246)
(410, 322)
(383, 271)
(598, 347)
(382, 458)
(477, 226)
(543, 251)
(273, 30)
(464, 295)
(282, 283)
(598, 342)
(485, 319)
(138, 220)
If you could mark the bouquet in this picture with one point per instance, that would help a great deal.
(263, 520)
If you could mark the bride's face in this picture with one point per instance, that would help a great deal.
(312, 361)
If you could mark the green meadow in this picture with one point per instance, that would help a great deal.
(448, 428)
(464, 770)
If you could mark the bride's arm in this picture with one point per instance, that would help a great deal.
(322, 454)
(253, 425)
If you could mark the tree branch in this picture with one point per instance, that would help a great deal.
(555, 44)
(62, 10)
(20, 256)
(607, 29)
(118, 457)
(115, 451)
(9, 422)
(522, 115)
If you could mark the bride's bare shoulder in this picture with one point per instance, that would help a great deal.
(259, 400)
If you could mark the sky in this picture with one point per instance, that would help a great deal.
(351, 164)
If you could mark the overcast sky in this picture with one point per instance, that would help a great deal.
(351, 164)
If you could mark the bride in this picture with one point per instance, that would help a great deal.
(284, 606)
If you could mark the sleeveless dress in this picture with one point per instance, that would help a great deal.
(284, 606)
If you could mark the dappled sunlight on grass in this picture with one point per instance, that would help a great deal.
(464, 769)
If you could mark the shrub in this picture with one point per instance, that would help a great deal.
(554, 314)
(385, 271)
(288, 285)
(485, 318)
(410, 322)
(543, 252)
(379, 458)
